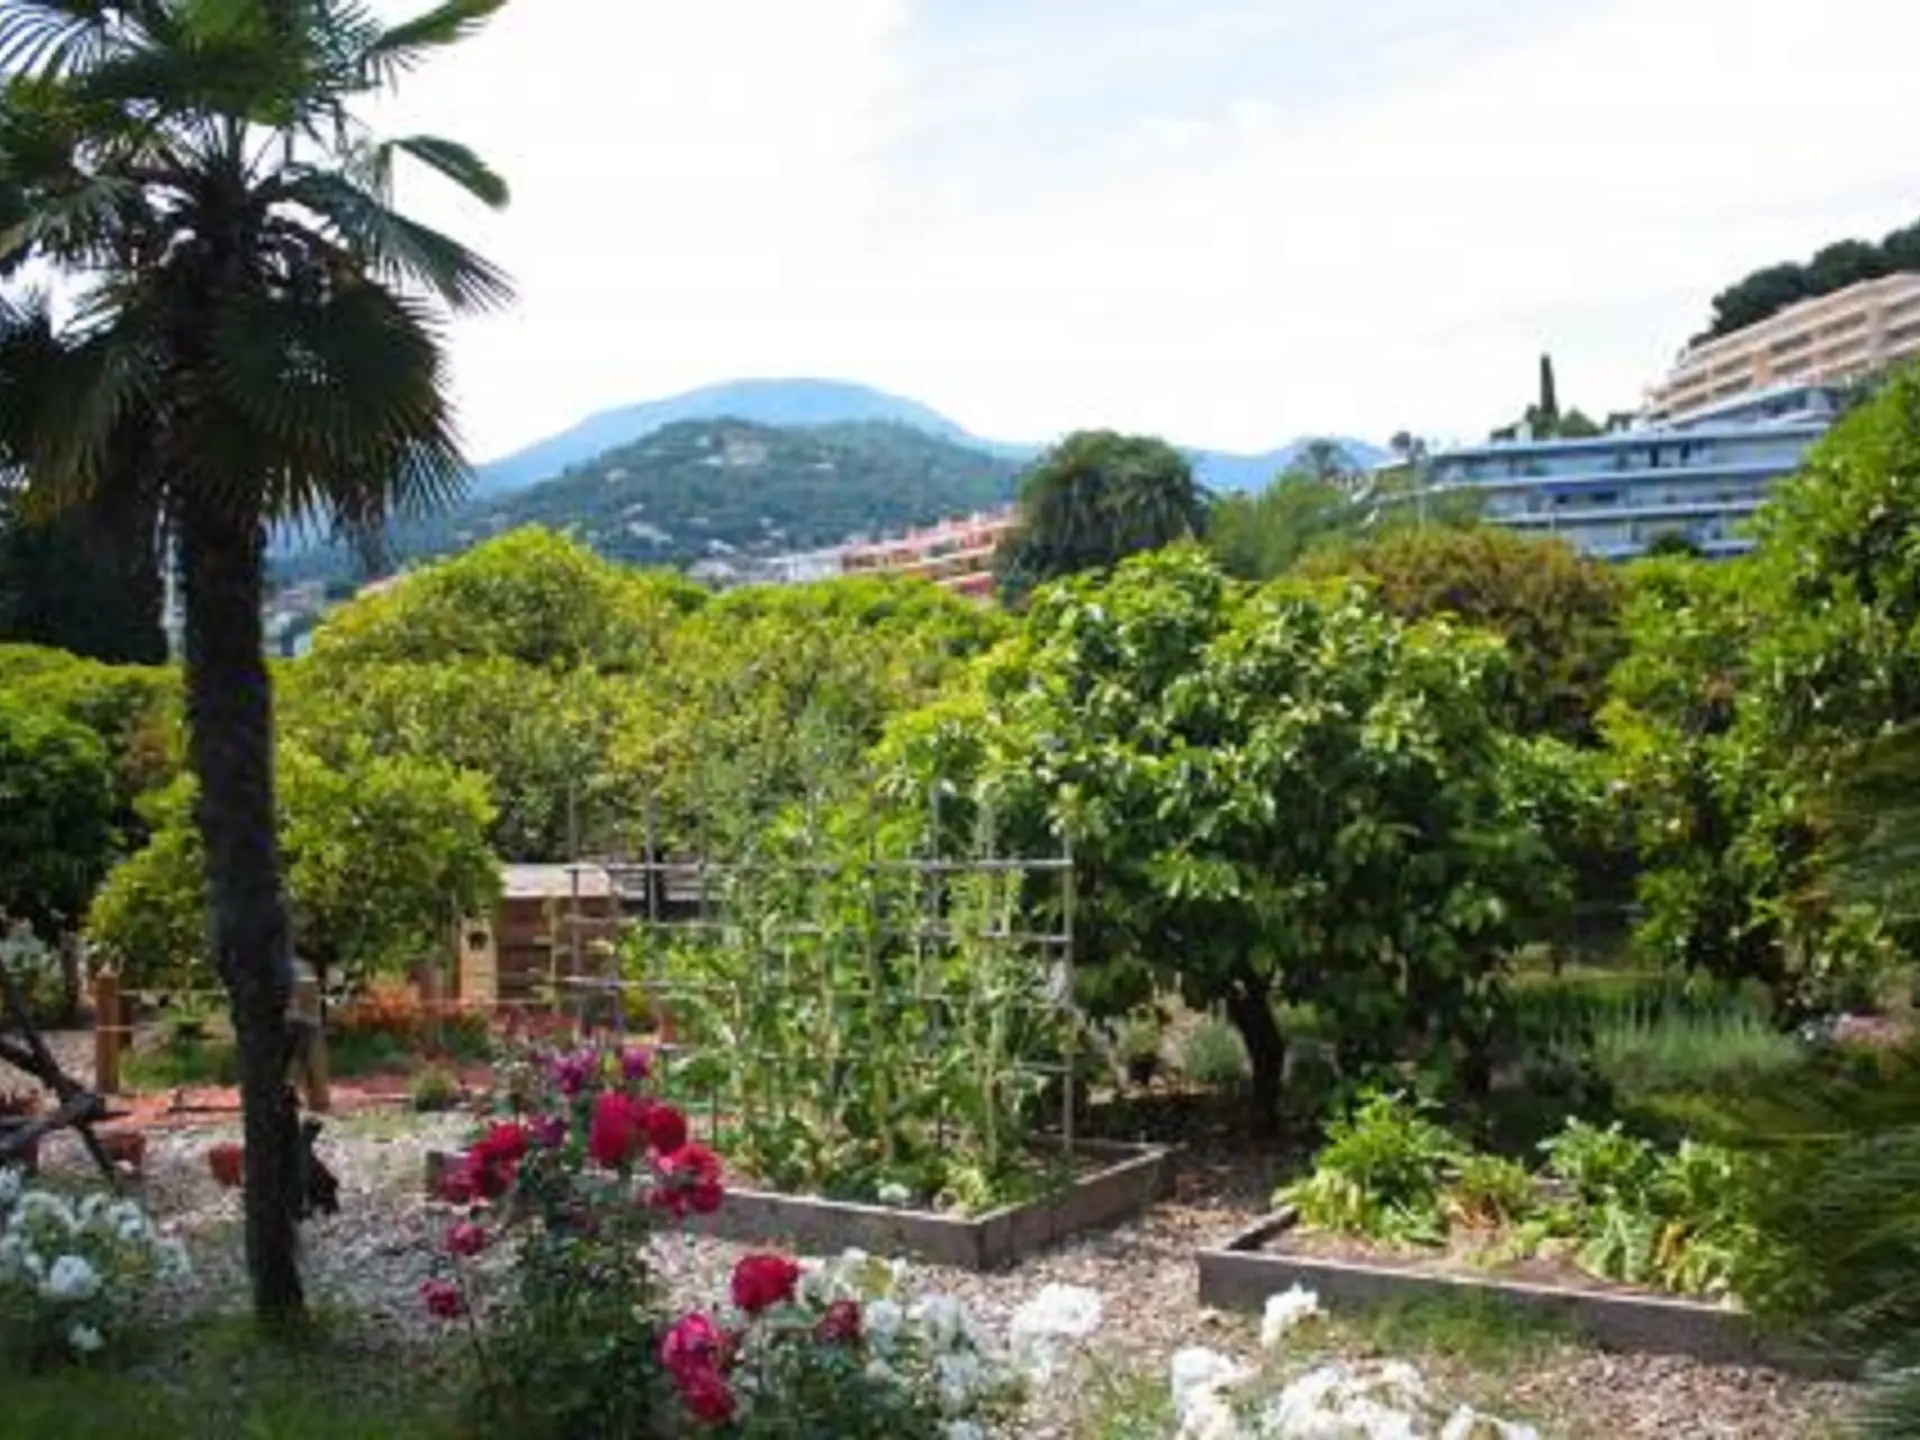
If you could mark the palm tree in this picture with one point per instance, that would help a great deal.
(244, 290)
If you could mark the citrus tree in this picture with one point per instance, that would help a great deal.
(384, 854)
(1278, 794)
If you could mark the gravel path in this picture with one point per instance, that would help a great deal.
(371, 1259)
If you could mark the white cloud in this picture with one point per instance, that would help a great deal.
(1230, 221)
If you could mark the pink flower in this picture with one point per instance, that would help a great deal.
(762, 1281)
(636, 1062)
(550, 1131)
(693, 1343)
(570, 1073)
(466, 1240)
(443, 1301)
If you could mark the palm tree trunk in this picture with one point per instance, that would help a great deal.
(230, 714)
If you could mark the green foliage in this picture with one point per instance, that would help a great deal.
(1272, 794)
(1490, 1191)
(1381, 1174)
(531, 597)
(383, 855)
(1679, 1221)
(56, 814)
(1835, 1159)
(588, 696)
(1750, 691)
(1094, 499)
(1214, 1055)
(221, 1379)
(1714, 1050)
(772, 696)
(1558, 611)
(134, 709)
(1263, 535)
(852, 1051)
(705, 488)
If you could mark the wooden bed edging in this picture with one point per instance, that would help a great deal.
(1133, 1177)
(1241, 1274)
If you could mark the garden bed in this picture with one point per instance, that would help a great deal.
(1119, 1184)
(1273, 1255)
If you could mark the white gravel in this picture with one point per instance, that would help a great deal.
(371, 1259)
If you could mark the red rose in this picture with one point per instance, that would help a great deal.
(707, 1395)
(841, 1324)
(443, 1301)
(614, 1136)
(495, 1161)
(763, 1281)
(689, 1181)
(466, 1240)
(666, 1128)
(693, 1343)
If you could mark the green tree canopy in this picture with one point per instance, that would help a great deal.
(56, 814)
(532, 596)
(1558, 611)
(1094, 499)
(1272, 794)
(384, 854)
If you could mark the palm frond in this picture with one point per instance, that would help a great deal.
(1875, 815)
(395, 246)
(457, 163)
(401, 47)
(349, 390)
(54, 37)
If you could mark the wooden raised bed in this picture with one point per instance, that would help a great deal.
(1259, 1262)
(1125, 1180)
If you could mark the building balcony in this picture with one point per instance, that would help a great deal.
(1556, 520)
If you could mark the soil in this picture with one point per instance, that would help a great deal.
(1472, 1255)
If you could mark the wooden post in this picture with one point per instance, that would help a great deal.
(310, 1056)
(109, 1026)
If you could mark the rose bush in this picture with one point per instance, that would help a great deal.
(549, 1276)
(72, 1274)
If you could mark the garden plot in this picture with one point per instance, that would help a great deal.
(1638, 1248)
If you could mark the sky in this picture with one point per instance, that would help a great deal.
(1229, 222)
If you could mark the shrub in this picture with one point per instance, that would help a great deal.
(571, 1333)
(1214, 1055)
(1703, 1050)
(434, 1088)
(1490, 1191)
(73, 1275)
(1380, 1174)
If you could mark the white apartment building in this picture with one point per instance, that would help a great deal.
(1827, 340)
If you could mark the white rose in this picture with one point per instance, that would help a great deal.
(71, 1278)
(85, 1339)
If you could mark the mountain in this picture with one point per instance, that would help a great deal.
(1224, 473)
(778, 403)
(787, 403)
(728, 491)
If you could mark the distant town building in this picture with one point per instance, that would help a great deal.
(955, 553)
(1697, 477)
(1827, 340)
